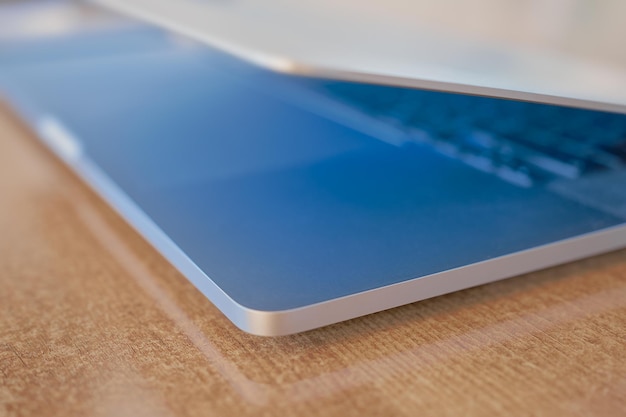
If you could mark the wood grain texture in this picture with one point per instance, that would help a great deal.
(93, 322)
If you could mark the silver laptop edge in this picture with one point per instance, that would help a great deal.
(527, 74)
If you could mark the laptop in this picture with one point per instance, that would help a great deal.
(296, 188)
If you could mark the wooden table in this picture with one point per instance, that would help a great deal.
(93, 322)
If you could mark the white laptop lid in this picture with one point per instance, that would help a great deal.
(567, 52)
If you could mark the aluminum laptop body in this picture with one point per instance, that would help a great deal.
(294, 202)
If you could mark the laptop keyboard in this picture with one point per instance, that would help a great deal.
(524, 143)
